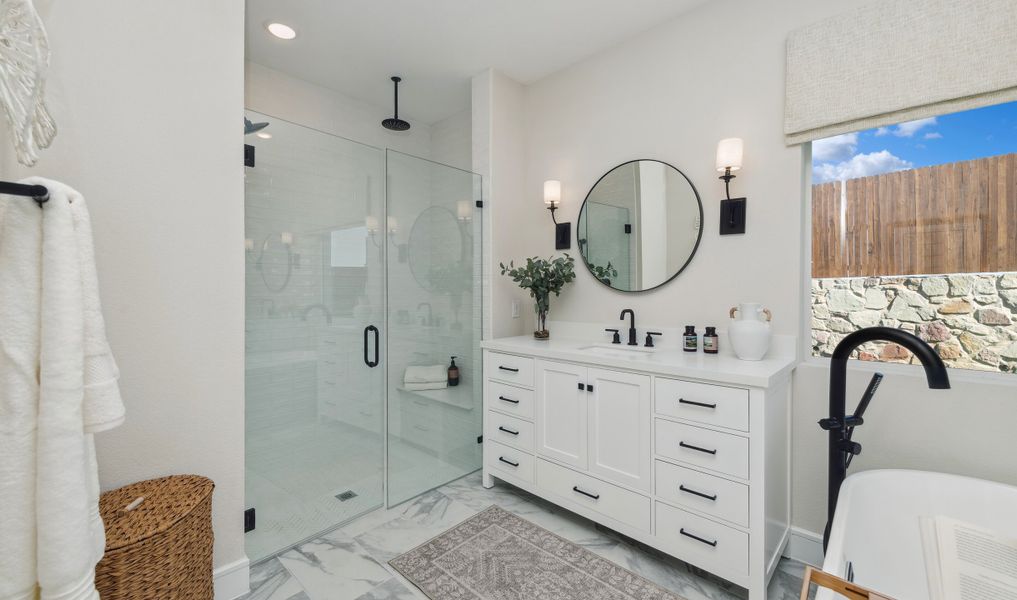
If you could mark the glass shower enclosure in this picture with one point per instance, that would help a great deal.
(363, 280)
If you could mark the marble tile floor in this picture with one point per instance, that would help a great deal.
(351, 563)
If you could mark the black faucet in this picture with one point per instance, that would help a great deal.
(632, 325)
(840, 425)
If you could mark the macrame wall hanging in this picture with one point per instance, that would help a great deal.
(24, 60)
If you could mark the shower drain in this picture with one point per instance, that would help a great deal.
(347, 495)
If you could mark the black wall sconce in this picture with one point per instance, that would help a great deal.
(732, 210)
(562, 231)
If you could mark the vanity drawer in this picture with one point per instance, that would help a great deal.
(509, 430)
(509, 368)
(610, 500)
(510, 399)
(702, 542)
(708, 494)
(703, 403)
(500, 457)
(722, 452)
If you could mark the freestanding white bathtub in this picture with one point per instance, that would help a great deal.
(876, 525)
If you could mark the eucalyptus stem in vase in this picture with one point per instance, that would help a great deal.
(541, 278)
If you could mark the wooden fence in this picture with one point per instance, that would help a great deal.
(953, 218)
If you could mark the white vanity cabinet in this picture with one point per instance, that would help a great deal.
(561, 413)
(688, 454)
(593, 420)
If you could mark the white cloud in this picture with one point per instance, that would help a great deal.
(882, 131)
(910, 128)
(859, 165)
(933, 135)
(836, 148)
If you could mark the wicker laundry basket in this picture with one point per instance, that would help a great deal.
(161, 546)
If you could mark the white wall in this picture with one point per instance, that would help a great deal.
(286, 97)
(671, 94)
(498, 156)
(148, 99)
(451, 140)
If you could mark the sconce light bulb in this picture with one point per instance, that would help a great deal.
(552, 193)
(729, 154)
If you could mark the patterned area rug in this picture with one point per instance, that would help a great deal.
(496, 555)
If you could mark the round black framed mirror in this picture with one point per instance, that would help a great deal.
(640, 225)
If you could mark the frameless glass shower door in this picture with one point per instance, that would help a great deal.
(315, 310)
(434, 314)
(363, 270)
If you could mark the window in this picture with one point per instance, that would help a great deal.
(348, 247)
(915, 226)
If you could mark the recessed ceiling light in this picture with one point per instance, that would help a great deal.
(281, 31)
(264, 135)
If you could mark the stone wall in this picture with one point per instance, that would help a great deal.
(970, 319)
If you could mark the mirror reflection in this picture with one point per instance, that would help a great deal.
(436, 252)
(640, 225)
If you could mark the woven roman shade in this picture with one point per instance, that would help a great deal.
(896, 61)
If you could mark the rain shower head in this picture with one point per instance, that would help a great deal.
(395, 123)
(250, 127)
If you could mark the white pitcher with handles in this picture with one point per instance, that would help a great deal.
(749, 333)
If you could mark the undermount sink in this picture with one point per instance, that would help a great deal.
(617, 350)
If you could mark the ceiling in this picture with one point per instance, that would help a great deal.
(437, 46)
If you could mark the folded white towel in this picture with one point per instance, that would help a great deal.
(419, 387)
(57, 384)
(429, 374)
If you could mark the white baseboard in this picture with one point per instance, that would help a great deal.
(805, 546)
(232, 580)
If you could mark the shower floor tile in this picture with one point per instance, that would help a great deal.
(294, 476)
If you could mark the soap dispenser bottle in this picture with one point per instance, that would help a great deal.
(690, 341)
(453, 373)
(711, 341)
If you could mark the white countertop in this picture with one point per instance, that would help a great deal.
(723, 368)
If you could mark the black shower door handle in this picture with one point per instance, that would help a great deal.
(367, 331)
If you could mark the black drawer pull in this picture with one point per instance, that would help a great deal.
(695, 493)
(576, 489)
(589, 387)
(508, 399)
(509, 369)
(694, 403)
(582, 387)
(697, 538)
(500, 428)
(507, 461)
(696, 448)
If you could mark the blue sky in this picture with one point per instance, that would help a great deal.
(949, 138)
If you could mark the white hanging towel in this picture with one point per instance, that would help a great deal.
(57, 388)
